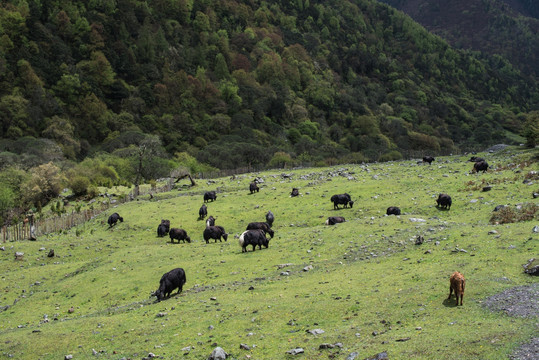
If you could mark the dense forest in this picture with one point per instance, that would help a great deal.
(107, 92)
(509, 28)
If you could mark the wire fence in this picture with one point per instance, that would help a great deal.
(29, 230)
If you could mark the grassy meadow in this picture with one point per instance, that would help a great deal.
(370, 288)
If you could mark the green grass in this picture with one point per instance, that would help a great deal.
(368, 275)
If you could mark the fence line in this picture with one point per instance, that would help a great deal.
(21, 231)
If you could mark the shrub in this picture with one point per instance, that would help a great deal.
(508, 214)
(79, 185)
(390, 156)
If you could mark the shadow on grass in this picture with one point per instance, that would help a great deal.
(450, 303)
(441, 209)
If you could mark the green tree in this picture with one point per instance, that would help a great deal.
(44, 184)
(531, 129)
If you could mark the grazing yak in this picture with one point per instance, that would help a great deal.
(294, 193)
(428, 159)
(215, 232)
(343, 199)
(113, 219)
(202, 212)
(163, 228)
(444, 201)
(261, 226)
(457, 284)
(210, 195)
(170, 281)
(332, 220)
(254, 238)
(476, 159)
(480, 166)
(253, 187)
(393, 210)
(270, 218)
(210, 221)
(178, 234)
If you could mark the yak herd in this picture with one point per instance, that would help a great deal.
(256, 232)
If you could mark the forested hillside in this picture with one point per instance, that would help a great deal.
(135, 88)
(509, 28)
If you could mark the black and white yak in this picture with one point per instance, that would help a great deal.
(254, 238)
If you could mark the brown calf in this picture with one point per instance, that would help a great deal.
(456, 284)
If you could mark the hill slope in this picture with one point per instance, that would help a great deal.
(502, 27)
(234, 82)
(370, 287)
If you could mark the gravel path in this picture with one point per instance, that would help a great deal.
(521, 301)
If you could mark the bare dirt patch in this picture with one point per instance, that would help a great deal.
(521, 301)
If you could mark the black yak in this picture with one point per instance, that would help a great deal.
(254, 238)
(480, 166)
(444, 201)
(253, 187)
(178, 234)
(476, 159)
(332, 220)
(393, 210)
(270, 218)
(343, 199)
(428, 159)
(163, 228)
(202, 212)
(210, 195)
(261, 226)
(170, 281)
(210, 221)
(215, 232)
(113, 219)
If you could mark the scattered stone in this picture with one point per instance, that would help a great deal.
(428, 252)
(418, 328)
(535, 229)
(535, 195)
(295, 351)
(71, 310)
(187, 349)
(352, 356)
(3, 248)
(487, 188)
(379, 356)
(419, 240)
(285, 273)
(68, 357)
(245, 347)
(161, 314)
(307, 268)
(218, 354)
(326, 346)
(19, 255)
(403, 339)
(492, 232)
(316, 331)
(532, 267)
(417, 220)
(94, 353)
